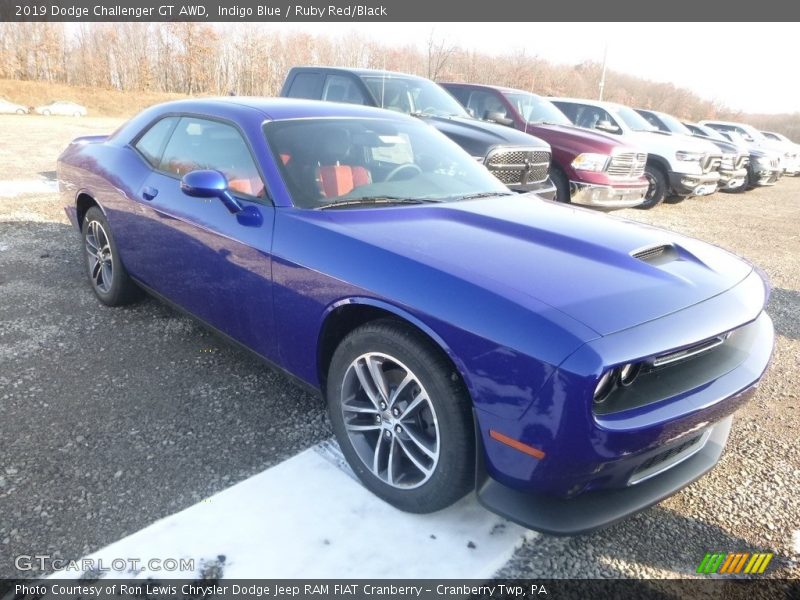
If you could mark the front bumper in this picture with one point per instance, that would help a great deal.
(600, 508)
(762, 176)
(544, 189)
(690, 184)
(605, 196)
(731, 179)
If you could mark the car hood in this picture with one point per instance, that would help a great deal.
(478, 137)
(649, 139)
(574, 260)
(580, 139)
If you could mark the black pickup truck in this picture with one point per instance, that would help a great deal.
(519, 160)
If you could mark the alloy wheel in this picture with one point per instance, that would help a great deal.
(99, 257)
(390, 420)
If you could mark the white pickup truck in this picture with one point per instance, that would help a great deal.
(677, 166)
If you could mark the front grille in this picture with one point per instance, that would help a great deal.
(728, 162)
(669, 458)
(711, 162)
(627, 165)
(519, 166)
(704, 346)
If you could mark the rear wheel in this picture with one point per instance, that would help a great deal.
(107, 275)
(657, 186)
(20, 111)
(402, 417)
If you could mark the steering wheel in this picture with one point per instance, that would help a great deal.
(400, 168)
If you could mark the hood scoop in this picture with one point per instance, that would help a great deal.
(656, 255)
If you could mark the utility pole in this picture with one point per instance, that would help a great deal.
(603, 76)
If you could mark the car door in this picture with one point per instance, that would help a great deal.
(196, 253)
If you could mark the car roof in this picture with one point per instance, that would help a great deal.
(361, 72)
(498, 88)
(284, 108)
(598, 103)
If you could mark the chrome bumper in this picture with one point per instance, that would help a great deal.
(605, 196)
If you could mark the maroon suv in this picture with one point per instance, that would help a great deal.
(588, 167)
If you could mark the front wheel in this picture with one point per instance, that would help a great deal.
(657, 187)
(46, 113)
(402, 417)
(107, 275)
(559, 179)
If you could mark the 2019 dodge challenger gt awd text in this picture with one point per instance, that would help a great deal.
(571, 368)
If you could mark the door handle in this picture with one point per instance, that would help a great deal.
(148, 193)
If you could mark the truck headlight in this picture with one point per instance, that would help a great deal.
(589, 161)
(688, 156)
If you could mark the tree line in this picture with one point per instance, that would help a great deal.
(197, 58)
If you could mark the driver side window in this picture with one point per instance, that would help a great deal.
(484, 103)
(205, 144)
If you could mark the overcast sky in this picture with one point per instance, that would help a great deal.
(749, 66)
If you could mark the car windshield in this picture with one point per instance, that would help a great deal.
(535, 109)
(674, 125)
(632, 119)
(357, 162)
(414, 96)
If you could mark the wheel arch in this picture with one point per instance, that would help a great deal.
(84, 200)
(661, 163)
(345, 315)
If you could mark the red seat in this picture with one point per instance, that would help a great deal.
(337, 180)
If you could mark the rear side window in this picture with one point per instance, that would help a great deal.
(306, 85)
(152, 143)
(342, 89)
(203, 144)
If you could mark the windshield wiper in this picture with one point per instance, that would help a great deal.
(484, 195)
(375, 200)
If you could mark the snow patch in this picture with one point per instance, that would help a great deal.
(307, 517)
(13, 188)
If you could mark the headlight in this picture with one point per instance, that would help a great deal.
(687, 156)
(590, 162)
(764, 161)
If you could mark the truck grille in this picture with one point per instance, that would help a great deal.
(742, 161)
(627, 165)
(728, 162)
(711, 162)
(669, 458)
(518, 166)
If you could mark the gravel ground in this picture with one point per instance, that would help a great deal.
(113, 418)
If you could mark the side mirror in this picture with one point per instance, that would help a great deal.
(210, 184)
(471, 112)
(498, 117)
(607, 126)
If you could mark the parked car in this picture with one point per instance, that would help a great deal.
(520, 161)
(587, 167)
(10, 108)
(733, 161)
(677, 168)
(753, 136)
(571, 367)
(791, 152)
(61, 107)
(764, 166)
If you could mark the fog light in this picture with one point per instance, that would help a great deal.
(604, 386)
(628, 373)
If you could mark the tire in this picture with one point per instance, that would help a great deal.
(399, 354)
(562, 185)
(657, 190)
(673, 199)
(46, 113)
(20, 111)
(107, 276)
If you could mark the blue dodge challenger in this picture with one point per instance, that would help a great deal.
(571, 368)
